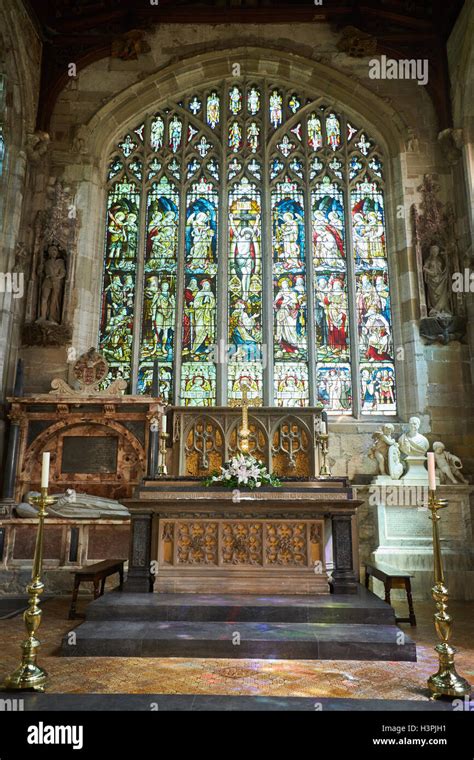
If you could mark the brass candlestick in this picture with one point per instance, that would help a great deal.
(446, 682)
(162, 468)
(29, 675)
(324, 471)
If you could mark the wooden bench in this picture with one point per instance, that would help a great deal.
(392, 577)
(95, 574)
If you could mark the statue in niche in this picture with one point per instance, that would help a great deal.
(413, 443)
(76, 506)
(386, 452)
(53, 274)
(448, 466)
(437, 281)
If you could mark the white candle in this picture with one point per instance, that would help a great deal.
(324, 429)
(45, 470)
(163, 423)
(431, 471)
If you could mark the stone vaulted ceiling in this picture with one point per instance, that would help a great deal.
(84, 30)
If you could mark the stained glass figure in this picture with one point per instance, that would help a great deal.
(368, 226)
(213, 110)
(291, 384)
(364, 145)
(175, 129)
(315, 135)
(289, 277)
(235, 100)
(136, 167)
(328, 227)
(192, 168)
(336, 167)
(174, 168)
(159, 307)
(247, 375)
(127, 146)
(213, 168)
(119, 277)
(335, 388)
(294, 103)
(355, 167)
(234, 168)
(286, 146)
(376, 165)
(276, 115)
(276, 167)
(115, 165)
(297, 166)
(203, 147)
(195, 105)
(235, 136)
(253, 132)
(377, 388)
(198, 384)
(245, 283)
(199, 319)
(253, 101)
(333, 131)
(156, 133)
(256, 168)
(316, 166)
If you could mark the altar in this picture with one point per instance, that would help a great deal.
(297, 539)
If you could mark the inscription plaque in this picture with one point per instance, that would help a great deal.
(89, 454)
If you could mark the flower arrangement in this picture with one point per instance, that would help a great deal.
(242, 471)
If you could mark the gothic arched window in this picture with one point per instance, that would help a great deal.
(245, 245)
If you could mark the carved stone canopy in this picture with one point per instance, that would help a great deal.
(356, 43)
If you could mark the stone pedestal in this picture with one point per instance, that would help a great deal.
(416, 474)
(403, 536)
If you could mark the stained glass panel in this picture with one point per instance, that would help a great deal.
(159, 304)
(335, 387)
(333, 131)
(213, 110)
(245, 285)
(121, 247)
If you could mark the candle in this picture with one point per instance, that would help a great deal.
(45, 470)
(163, 423)
(324, 428)
(431, 471)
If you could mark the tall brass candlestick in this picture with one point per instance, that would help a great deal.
(29, 675)
(324, 471)
(162, 469)
(446, 682)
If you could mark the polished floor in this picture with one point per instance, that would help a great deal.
(273, 678)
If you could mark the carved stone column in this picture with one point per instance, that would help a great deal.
(139, 575)
(343, 576)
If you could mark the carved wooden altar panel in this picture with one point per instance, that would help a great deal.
(253, 555)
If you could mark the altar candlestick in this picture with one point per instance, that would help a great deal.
(45, 470)
(324, 417)
(163, 423)
(431, 471)
(324, 428)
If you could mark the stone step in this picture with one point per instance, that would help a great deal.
(362, 608)
(302, 641)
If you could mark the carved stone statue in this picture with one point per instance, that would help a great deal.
(52, 286)
(438, 286)
(37, 145)
(448, 466)
(386, 452)
(76, 506)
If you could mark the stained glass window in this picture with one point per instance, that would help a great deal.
(245, 247)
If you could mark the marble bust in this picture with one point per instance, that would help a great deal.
(413, 443)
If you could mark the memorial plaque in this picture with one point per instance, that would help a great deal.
(403, 522)
(89, 454)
